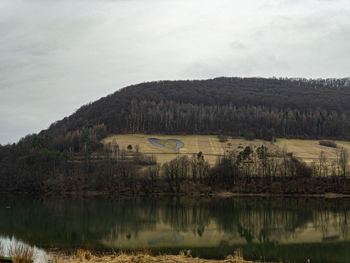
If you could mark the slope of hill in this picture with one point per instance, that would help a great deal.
(250, 107)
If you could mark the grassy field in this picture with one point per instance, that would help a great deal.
(307, 150)
(209, 145)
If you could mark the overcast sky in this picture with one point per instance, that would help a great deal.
(58, 55)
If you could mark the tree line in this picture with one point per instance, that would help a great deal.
(44, 165)
(250, 122)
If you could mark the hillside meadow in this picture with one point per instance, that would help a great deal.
(212, 148)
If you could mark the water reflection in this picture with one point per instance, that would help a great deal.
(271, 228)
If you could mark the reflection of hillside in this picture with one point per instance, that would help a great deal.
(96, 222)
(72, 223)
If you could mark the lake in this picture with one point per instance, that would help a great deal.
(261, 228)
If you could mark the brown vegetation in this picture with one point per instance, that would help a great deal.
(185, 257)
(328, 144)
(21, 253)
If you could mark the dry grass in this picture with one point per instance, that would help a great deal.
(185, 257)
(21, 253)
(309, 150)
(209, 145)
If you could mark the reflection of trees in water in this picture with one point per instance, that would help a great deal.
(259, 218)
(185, 215)
(78, 222)
(337, 219)
(129, 217)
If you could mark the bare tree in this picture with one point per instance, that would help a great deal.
(343, 161)
(1, 249)
(123, 153)
(322, 169)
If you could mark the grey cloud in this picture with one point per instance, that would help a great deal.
(59, 55)
(237, 45)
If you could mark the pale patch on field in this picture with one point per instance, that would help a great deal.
(168, 144)
(309, 150)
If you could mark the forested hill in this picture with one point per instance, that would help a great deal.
(69, 156)
(250, 107)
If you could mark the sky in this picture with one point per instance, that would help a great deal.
(57, 55)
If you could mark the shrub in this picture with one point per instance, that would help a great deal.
(301, 168)
(328, 144)
(143, 159)
(222, 138)
(21, 253)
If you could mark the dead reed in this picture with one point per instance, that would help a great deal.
(21, 253)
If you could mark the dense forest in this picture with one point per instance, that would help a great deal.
(252, 107)
(69, 157)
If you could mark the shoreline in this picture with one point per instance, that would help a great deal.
(326, 195)
(223, 194)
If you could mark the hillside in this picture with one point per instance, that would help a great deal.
(204, 132)
(250, 107)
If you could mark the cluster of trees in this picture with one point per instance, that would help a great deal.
(182, 169)
(331, 144)
(36, 161)
(324, 167)
(239, 169)
(252, 170)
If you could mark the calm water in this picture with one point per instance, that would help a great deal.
(273, 229)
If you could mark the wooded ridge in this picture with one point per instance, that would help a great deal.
(250, 107)
(69, 156)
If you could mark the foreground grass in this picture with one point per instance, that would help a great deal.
(85, 256)
(21, 253)
(18, 253)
